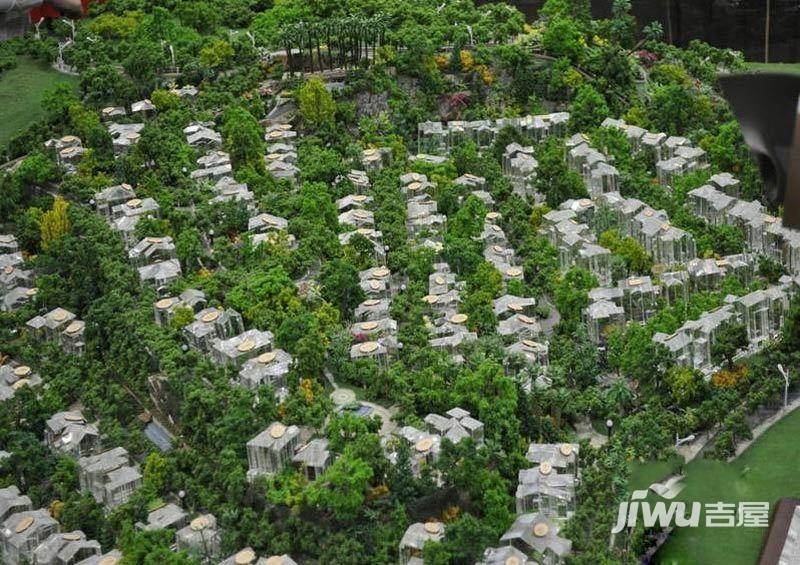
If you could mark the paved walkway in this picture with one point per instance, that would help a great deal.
(585, 430)
(765, 425)
(343, 396)
(691, 450)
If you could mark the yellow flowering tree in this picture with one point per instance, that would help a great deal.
(55, 222)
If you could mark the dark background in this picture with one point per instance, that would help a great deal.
(738, 24)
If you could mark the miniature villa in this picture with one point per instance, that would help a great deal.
(70, 433)
(414, 539)
(200, 538)
(109, 477)
(271, 450)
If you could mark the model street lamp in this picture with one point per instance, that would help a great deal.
(785, 375)
(609, 425)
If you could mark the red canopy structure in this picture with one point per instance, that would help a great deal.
(52, 9)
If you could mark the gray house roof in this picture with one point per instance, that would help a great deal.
(539, 533)
(603, 309)
(558, 455)
(265, 221)
(313, 454)
(418, 534)
(115, 194)
(11, 502)
(153, 247)
(65, 548)
(111, 558)
(264, 368)
(504, 555)
(21, 527)
(69, 428)
(275, 437)
(169, 515)
(161, 272)
(242, 344)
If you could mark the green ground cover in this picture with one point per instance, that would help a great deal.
(21, 90)
(765, 472)
(793, 68)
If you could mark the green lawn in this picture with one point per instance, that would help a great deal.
(793, 68)
(645, 474)
(21, 91)
(766, 472)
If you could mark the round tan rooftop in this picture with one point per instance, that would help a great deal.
(545, 468)
(73, 417)
(459, 318)
(439, 280)
(430, 298)
(277, 430)
(374, 285)
(164, 303)
(368, 347)
(24, 524)
(199, 523)
(369, 326)
(526, 319)
(566, 449)
(109, 560)
(529, 343)
(267, 357)
(514, 272)
(515, 306)
(274, 560)
(60, 315)
(541, 529)
(71, 536)
(209, 317)
(372, 302)
(424, 444)
(433, 527)
(512, 560)
(22, 371)
(381, 272)
(246, 345)
(134, 203)
(244, 557)
(32, 291)
(74, 327)
(20, 383)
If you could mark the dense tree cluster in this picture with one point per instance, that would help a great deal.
(403, 63)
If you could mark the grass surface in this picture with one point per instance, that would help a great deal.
(765, 472)
(793, 68)
(21, 90)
